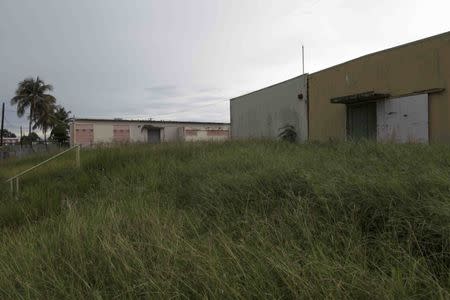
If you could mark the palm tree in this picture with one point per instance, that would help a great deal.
(60, 129)
(28, 94)
(44, 115)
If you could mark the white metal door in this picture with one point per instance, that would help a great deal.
(403, 120)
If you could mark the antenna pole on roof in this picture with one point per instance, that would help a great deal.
(303, 59)
(3, 119)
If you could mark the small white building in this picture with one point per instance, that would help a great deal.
(11, 140)
(88, 132)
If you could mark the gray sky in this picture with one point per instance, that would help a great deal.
(183, 59)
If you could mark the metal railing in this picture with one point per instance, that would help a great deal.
(15, 179)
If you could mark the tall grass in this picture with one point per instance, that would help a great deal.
(232, 220)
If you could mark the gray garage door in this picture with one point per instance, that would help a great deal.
(154, 135)
(362, 121)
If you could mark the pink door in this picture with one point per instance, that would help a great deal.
(121, 133)
(84, 134)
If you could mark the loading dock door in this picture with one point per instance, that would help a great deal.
(403, 120)
(84, 134)
(362, 121)
(154, 135)
(121, 133)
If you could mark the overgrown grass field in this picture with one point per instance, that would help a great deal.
(231, 220)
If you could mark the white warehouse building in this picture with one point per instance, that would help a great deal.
(88, 132)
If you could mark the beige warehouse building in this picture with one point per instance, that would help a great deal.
(88, 132)
(400, 94)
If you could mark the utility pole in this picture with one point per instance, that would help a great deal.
(3, 120)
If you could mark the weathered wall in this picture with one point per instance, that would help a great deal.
(170, 134)
(103, 133)
(72, 133)
(261, 114)
(137, 135)
(409, 68)
(206, 133)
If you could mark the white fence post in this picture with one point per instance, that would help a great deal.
(78, 156)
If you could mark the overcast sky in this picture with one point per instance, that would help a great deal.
(183, 59)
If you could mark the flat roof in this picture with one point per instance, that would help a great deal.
(144, 121)
(388, 49)
(268, 87)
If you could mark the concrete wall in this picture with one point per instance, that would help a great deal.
(103, 133)
(413, 67)
(137, 135)
(72, 133)
(170, 134)
(261, 114)
(206, 133)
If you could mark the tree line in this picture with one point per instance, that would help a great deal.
(33, 96)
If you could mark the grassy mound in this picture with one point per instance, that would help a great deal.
(235, 220)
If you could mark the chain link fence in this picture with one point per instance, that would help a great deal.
(20, 151)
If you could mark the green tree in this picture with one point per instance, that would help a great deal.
(60, 130)
(29, 139)
(29, 93)
(44, 115)
(8, 134)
